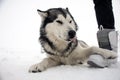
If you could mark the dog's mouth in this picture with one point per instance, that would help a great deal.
(74, 39)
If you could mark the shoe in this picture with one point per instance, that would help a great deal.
(99, 61)
(108, 39)
(103, 38)
(113, 38)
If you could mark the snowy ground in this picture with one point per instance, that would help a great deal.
(15, 67)
(19, 46)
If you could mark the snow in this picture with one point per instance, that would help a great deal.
(19, 46)
(15, 67)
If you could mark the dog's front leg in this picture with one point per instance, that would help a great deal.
(103, 52)
(46, 63)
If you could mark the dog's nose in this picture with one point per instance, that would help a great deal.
(71, 34)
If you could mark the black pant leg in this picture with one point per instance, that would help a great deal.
(104, 13)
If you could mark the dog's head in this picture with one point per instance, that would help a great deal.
(58, 22)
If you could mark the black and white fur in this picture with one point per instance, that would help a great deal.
(58, 38)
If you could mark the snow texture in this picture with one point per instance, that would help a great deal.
(19, 46)
(15, 67)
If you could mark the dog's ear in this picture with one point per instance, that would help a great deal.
(67, 9)
(42, 13)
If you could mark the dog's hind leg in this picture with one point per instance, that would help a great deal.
(46, 63)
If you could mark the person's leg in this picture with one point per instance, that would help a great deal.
(104, 13)
(105, 18)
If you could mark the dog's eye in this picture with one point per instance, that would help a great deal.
(60, 22)
(70, 21)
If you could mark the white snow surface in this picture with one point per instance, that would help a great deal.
(15, 67)
(19, 46)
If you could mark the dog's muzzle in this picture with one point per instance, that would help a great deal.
(72, 35)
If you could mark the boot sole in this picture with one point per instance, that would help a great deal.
(92, 64)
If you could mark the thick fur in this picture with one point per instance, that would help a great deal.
(58, 38)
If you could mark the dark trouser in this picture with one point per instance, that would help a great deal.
(104, 13)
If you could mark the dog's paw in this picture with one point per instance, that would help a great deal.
(36, 68)
(111, 55)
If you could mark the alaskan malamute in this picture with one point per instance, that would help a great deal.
(58, 39)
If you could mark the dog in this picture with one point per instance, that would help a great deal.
(59, 41)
